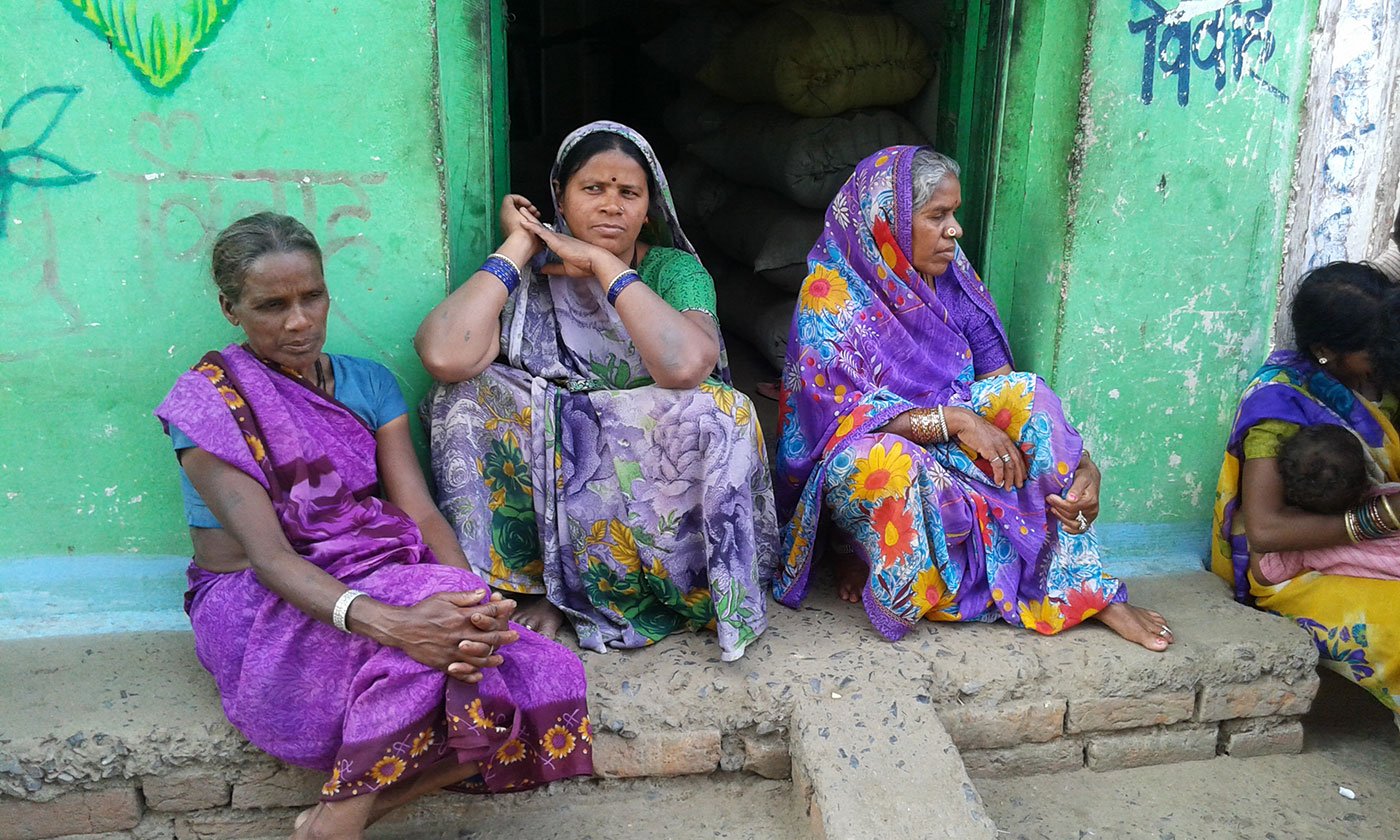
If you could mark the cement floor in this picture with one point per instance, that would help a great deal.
(1350, 741)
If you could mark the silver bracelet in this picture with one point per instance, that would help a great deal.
(943, 425)
(342, 606)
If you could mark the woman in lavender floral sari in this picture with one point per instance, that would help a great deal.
(329, 599)
(625, 479)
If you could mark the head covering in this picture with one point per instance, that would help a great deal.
(870, 339)
(551, 327)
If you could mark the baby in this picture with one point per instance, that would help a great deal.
(1324, 470)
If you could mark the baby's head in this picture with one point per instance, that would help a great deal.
(1324, 469)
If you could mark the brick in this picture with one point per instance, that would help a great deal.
(1264, 698)
(227, 825)
(656, 754)
(284, 787)
(1143, 747)
(978, 727)
(81, 812)
(154, 827)
(1099, 713)
(1261, 736)
(1025, 760)
(186, 790)
(767, 756)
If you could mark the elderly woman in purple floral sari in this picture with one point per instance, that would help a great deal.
(329, 599)
(950, 486)
(625, 479)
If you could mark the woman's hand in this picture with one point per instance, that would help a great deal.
(580, 259)
(1081, 500)
(450, 631)
(1001, 452)
(515, 210)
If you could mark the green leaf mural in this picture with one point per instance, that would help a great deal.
(158, 38)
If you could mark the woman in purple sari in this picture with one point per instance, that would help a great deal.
(626, 480)
(329, 599)
(949, 486)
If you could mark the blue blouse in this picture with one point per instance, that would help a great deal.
(365, 387)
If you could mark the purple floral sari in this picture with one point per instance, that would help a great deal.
(870, 340)
(638, 510)
(310, 695)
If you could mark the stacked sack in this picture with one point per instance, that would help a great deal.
(795, 95)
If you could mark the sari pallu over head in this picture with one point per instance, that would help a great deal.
(1292, 388)
(563, 329)
(871, 339)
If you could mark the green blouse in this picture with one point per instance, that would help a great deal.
(678, 278)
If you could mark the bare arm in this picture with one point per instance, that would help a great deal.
(462, 335)
(1271, 524)
(680, 348)
(401, 479)
(436, 631)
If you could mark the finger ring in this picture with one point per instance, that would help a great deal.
(1081, 521)
(492, 652)
(1005, 458)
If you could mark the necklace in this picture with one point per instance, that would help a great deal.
(320, 376)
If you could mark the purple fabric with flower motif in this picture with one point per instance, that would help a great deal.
(313, 696)
(871, 339)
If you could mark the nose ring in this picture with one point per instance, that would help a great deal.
(951, 233)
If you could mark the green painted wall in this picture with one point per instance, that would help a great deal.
(1143, 284)
(122, 167)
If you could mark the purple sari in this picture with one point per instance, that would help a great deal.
(310, 695)
(871, 340)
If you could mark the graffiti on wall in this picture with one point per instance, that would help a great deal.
(158, 39)
(180, 206)
(1221, 38)
(28, 124)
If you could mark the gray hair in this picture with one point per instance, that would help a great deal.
(240, 244)
(928, 171)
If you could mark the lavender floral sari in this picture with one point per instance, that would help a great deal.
(636, 509)
(310, 695)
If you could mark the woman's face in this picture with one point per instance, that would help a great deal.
(606, 201)
(936, 230)
(283, 308)
(1353, 370)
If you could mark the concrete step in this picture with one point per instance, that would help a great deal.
(874, 735)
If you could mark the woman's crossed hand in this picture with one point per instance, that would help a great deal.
(455, 632)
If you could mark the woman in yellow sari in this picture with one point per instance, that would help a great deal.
(1336, 375)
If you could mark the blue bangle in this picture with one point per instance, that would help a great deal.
(504, 270)
(621, 282)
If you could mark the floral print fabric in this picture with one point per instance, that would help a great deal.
(871, 340)
(301, 690)
(1353, 621)
(638, 510)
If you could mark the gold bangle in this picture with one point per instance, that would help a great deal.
(1390, 511)
(1352, 526)
(921, 426)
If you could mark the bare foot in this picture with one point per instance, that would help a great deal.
(1141, 626)
(537, 614)
(851, 575)
(327, 821)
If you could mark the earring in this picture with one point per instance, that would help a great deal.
(1322, 360)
